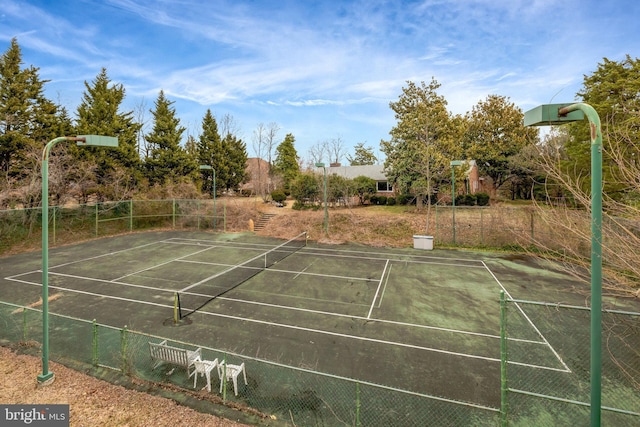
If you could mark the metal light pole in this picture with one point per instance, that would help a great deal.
(94, 140)
(553, 114)
(207, 167)
(326, 212)
(454, 163)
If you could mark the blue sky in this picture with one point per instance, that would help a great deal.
(321, 70)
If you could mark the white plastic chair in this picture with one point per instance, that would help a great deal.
(204, 368)
(232, 372)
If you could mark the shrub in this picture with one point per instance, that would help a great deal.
(391, 201)
(278, 196)
(482, 199)
(405, 199)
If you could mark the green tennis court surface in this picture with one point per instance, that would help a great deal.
(422, 321)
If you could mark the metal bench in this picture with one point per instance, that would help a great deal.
(163, 353)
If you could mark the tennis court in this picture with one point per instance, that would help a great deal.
(427, 322)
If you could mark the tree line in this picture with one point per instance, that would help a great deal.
(418, 153)
(158, 162)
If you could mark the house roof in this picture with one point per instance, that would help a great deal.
(375, 172)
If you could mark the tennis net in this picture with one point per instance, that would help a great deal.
(196, 296)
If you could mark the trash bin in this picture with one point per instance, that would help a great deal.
(423, 242)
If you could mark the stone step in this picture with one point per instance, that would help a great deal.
(261, 223)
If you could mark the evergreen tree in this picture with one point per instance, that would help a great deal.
(168, 161)
(287, 162)
(422, 143)
(496, 132)
(236, 159)
(613, 90)
(27, 118)
(210, 153)
(362, 156)
(98, 114)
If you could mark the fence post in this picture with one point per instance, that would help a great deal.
(176, 308)
(224, 379)
(482, 226)
(95, 358)
(225, 215)
(504, 406)
(532, 234)
(130, 215)
(54, 224)
(357, 404)
(123, 348)
(24, 324)
(173, 207)
(96, 219)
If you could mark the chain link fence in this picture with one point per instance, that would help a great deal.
(546, 361)
(285, 395)
(80, 222)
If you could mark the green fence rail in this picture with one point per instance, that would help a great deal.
(293, 395)
(546, 377)
(101, 219)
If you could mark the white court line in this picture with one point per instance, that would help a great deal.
(164, 263)
(390, 254)
(374, 340)
(535, 328)
(275, 270)
(255, 246)
(419, 259)
(306, 251)
(378, 289)
(349, 256)
(318, 331)
(386, 282)
(97, 294)
(107, 254)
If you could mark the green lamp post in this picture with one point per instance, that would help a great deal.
(326, 212)
(207, 167)
(453, 164)
(82, 140)
(555, 114)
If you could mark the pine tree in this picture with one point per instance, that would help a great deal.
(236, 159)
(286, 163)
(168, 161)
(613, 90)
(210, 153)
(98, 114)
(362, 156)
(28, 120)
(20, 93)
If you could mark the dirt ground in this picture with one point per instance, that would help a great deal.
(93, 402)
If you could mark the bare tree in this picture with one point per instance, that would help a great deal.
(317, 153)
(140, 111)
(335, 149)
(260, 147)
(620, 224)
(271, 133)
(228, 126)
